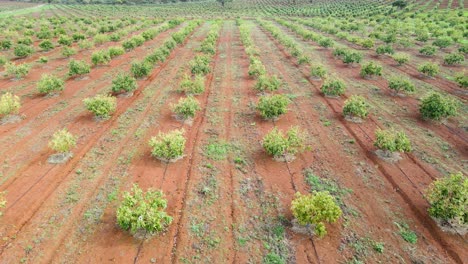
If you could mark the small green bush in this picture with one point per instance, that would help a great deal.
(351, 57)
(22, 51)
(186, 107)
(65, 40)
(3, 60)
(272, 106)
(68, 52)
(367, 43)
(371, 69)
(443, 42)
(356, 106)
(115, 51)
(278, 145)
(6, 44)
(436, 106)
(401, 84)
(46, 45)
(401, 58)
(461, 79)
(193, 87)
(200, 65)
(9, 104)
(25, 41)
(101, 106)
(43, 59)
(50, 84)
(334, 87)
(316, 209)
(18, 71)
(267, 83)
(325, 42)
(392, 141)
(100, 57)
(141, 69)
(143, 211)
(256, 68)
(318, 72)
(78, 67)
(454, 59)
(448, 198)
(385, 49)
(429, 69)
(123, 83)
(428, 51)
(168, 146)
(85, 44)
(62, 141)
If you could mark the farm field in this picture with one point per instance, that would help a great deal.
(228, 114)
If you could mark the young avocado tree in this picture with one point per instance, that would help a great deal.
(436, 107)
(315, 209)
(9, 104)
(62, 142)
(448, 199)
(356, 107)
(282, 146)
(390, 142)
(143, 211)
(169, 146)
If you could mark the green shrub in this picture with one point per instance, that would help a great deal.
(443, 42)
(385, 49)
(62, 141)
(325, 42)
(462, 79)
(267, 83)
(141, 69)
(454, 58)
(351, 57)
(186, 107)
(193, 87)
(436, 106)
(68, 52)
(78, 67)
(448, 198)
(371, 69)
(3, 60)
(401, 84)
(50, 84)
(22, 51)
(168, 146)
(356, 106)
(429, 69)
(316, 209)
(272, 106)
(6, 44)
(25, 41)
(334, 87)
(9, 104)
(401, 58)
(123, 83)
(428, 51)
(114, 37)
(100, 57)
(100, 39)
(101, 106)
(19, 71)
(78, 36)
(143, 211)
(278, 145)
(115, 51)
(340, 52)
(46, 45)
(367, 43)
(256, 68)
(85, 44)
(200, 65)
(43, 59)
(392, 141)
(65, 40)
(318, 72)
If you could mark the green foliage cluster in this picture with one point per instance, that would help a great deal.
(18, 71)
(50, 84)
(448, 198)
(101, 106)
(78, 67)
(62, 141)
(140, 69)
(429, 69)
(23, 51)
(318, 71)
(454, 58)
(123, 82)
(186, 107)
(272, 106)
(143, 211)
(435, 106)
(278, 145)
(401, 84)
(357, 106)
(192, 86)
(316, 209)
(267, 83)
(335, 87)
(200, 65)
(168, 146)
(401, 58)
(9, 104)
(392, 140)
